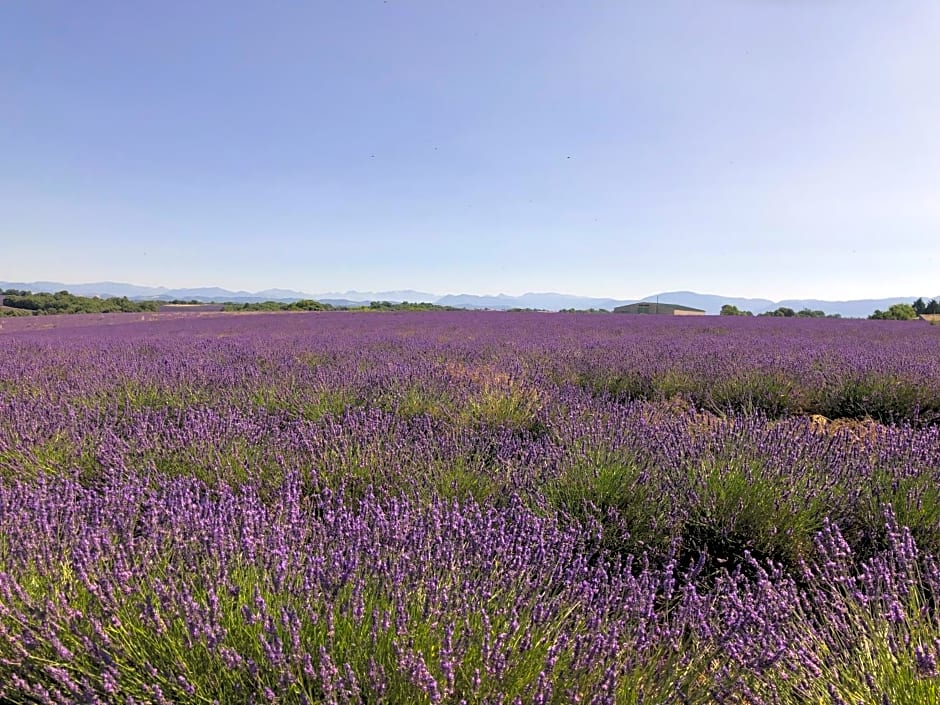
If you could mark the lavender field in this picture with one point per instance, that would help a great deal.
(468, 508)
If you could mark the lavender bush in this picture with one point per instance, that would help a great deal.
(468, 507)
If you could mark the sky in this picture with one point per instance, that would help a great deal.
(766, 148)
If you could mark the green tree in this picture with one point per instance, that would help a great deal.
(782, 312)
(895, 312)
(730, 310)
(809, 313)
(310, 305)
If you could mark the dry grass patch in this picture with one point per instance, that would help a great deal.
(857, 429)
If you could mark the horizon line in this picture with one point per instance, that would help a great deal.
(501, 294)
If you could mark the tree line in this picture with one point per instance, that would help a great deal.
(782, 312)
(302, 305)
(310, 305)
(907, 312)
(895, 312)
(16, 302)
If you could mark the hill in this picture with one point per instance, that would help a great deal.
(547, 301)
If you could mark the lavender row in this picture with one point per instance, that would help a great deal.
(488, 406)
(170, 591)
(886, 370)
(649, 475)
(467, 508)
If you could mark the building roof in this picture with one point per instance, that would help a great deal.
(655, 307)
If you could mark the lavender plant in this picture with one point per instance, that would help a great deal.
(468, 508)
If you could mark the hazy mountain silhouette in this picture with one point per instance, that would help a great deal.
(547, 301)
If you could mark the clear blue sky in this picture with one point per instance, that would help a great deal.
(775, 148)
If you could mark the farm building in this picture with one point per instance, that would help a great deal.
(663, 309)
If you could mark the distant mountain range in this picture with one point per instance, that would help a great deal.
(548, 301)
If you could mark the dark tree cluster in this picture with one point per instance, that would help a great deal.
(403, 306)
(932, 307)
(25, 302)
(302, 305)
(786, 312)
